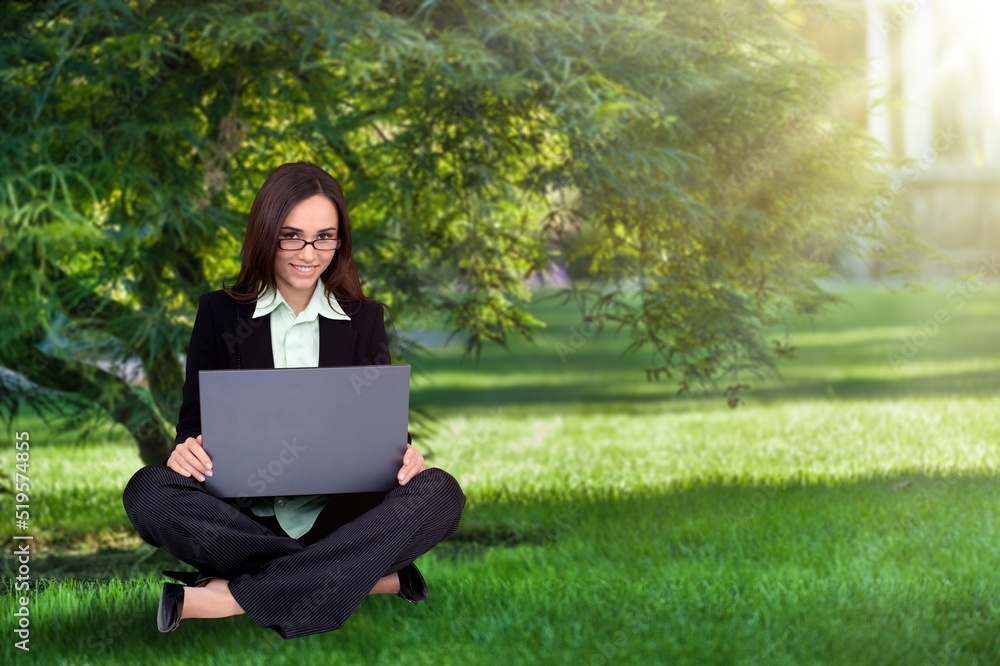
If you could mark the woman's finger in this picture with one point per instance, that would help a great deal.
(177, 463)
(413, 464)
(406, 471)
(174, 465)
(191, 462)
(189, 458)
(195, 466)
(202, 456)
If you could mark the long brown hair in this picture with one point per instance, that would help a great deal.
(287, 186)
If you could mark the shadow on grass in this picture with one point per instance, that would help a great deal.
(945, 384)
(527, 395)
(811, 522)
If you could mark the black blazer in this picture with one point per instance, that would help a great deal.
(226, 337)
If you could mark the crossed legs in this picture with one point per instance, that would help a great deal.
(295, 588)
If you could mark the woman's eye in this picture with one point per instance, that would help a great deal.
(289, 235)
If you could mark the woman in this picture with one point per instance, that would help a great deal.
(298, 565)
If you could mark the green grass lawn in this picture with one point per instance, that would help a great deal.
(846, 514)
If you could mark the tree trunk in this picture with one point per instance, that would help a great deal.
(107, 390)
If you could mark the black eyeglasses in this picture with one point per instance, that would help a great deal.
(324, 244)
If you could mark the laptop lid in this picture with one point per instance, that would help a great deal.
(304, 431)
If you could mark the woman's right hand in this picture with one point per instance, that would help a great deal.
(189, 458)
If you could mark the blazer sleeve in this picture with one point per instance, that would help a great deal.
(378, 349)
(203, 354)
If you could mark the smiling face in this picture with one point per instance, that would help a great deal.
(297, 271)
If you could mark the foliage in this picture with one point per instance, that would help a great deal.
(687, 144)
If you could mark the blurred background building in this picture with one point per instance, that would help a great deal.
(934, 71)
(941, 60)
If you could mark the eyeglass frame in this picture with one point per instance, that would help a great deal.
(304, 242)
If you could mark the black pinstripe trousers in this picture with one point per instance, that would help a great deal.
(302, 586)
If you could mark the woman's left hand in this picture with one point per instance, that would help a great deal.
(413, 464)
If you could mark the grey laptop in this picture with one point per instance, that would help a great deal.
(304, 431)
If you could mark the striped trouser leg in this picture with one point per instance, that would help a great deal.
(282, 584)
(177, 514)
(318, 588)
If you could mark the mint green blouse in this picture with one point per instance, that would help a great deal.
(295, 344)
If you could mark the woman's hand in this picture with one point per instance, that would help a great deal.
(189, 458)
(413, 464)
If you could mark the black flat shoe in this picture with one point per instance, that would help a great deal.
(411, 584)
(168, 614)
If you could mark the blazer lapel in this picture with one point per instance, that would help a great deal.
(254, 339)
(336, 342)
